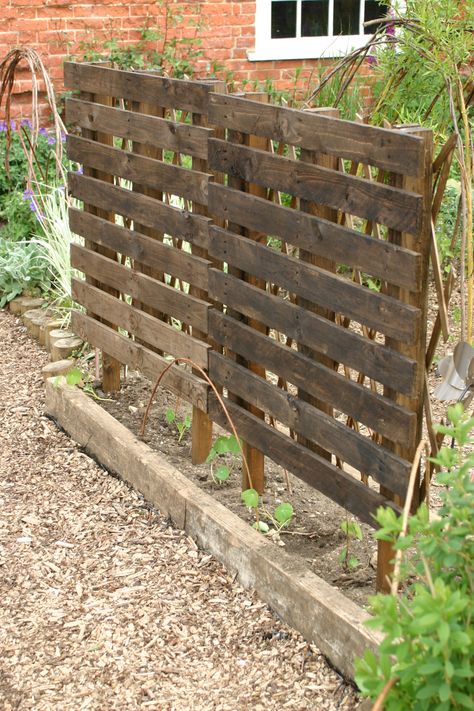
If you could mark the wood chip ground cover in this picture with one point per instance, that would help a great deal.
(104, 605)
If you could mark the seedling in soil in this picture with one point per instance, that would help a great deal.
(223, 445)
(181, 425)
(279, 519)
(353, 532)
(83, 381)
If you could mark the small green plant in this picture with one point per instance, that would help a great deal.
(182, 426)
(224, 445)
(21, 270)
(278, 519)
(425, 659)
(352, 532)
(82, 380)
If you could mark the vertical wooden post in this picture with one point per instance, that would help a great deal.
(110, 366)
(422, 185)
(255, 458)
(157, 154)
(201, 430)
(330, 214)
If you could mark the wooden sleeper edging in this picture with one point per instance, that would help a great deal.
(320, 612)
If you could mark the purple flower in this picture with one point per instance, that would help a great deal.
(51, 140)
(372, 60)
(80, 170)
(390, 29)
(13, 125)
(33, 205)
(63, 137)
(26, 123)
(43, 132)
(28, 195)
(3, 126)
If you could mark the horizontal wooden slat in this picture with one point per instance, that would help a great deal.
(181, 382)
(338, 343)
(135, 86)
(142, 209)
(379, 311)
(331, 481)
(139, 169)
(376, 257)
(395, 208)
(145, 327)
(145, 250)
(141, 128)
(145, 289)
(370, 408)
(387, 149)
(358, 451)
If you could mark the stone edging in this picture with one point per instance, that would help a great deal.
(303, 600)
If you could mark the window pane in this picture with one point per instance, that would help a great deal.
(374, 10)
(346, 17)
(314, 18)
(283, 18)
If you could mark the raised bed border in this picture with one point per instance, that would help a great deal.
(320, 612)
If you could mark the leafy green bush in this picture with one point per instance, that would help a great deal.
(428, 648)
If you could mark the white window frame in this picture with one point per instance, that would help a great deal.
(299, 47)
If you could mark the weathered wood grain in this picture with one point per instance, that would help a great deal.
(333, 291)
(177, 262)
(145, 289)
(385, 148)
(141, 128)
(338, 343)
(136, 356)
(141, 208)
(331, 481)
(161, 91)
(318, 235)
(364, 405)
(398, 209)
(148, 172)
(146, 327)
(358, 451)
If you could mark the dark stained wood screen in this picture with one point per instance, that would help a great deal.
(144, 148)
(324, 294)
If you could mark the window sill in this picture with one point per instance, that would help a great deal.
(307, 48)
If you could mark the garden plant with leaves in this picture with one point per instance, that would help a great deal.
(426, 658)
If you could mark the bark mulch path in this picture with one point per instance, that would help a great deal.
(104, 605)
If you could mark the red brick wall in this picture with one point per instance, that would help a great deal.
(56, 29)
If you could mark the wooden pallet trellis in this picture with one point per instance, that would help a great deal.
(395, 205)
(144, 223)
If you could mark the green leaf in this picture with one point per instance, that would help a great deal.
(261, 526)
(250, 498)
(74, 377)
(222, 473)
(283, 513)
(220, 445)
(170, 416)
(353, 562)
(233, 445)
(444, 692)
(443, 632)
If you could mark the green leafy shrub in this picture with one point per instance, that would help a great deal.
(428, 647)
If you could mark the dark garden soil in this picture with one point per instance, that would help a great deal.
(314, 533)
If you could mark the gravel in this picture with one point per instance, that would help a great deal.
(104, 605)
